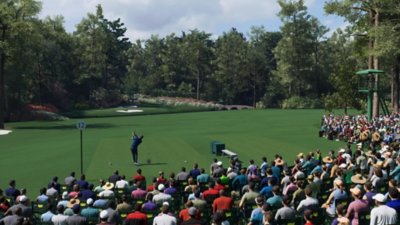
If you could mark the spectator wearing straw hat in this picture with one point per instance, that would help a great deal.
(382, 214)
(107, 193)
(69, 211)
(356, 206)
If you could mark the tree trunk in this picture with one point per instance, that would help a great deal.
(395, 85)
(198, 87)
(375, 107)
(2, 82)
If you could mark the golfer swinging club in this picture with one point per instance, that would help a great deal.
(136, 140)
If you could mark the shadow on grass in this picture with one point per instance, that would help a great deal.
(152, 164)
(66, 127)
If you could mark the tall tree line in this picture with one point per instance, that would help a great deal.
(98, 66)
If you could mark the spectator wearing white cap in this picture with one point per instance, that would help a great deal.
(90, 212)
(104, 218)
(161, 197)
(164, 218)
(382, 214)
(23, 204)
(219, 171)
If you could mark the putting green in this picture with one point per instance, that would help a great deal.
(36, 151)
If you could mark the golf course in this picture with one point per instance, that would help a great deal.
(37, 151)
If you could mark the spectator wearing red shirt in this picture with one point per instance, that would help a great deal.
(137, 217)
(219, 186)
(139, 178)
(161, 179)
(184, 213)
(222, 203)
(210, 194)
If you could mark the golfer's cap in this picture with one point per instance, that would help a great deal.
(161, 187)
(104, 214)
(219, 163)
(342, 150)
(379, 197)
(300, 154)
(165, 204)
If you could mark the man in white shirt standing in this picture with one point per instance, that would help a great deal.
(382, 214)
(163, 218)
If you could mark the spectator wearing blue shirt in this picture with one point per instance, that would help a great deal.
(256, 217)
(394, 199)
(267, 190)
(276, 171)
(42, 198)
(195, 171)
(396, 172)
(12, 191)
(46, 217)
(276, 200)
(240, 180)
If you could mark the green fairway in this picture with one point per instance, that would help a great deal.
(36, 151)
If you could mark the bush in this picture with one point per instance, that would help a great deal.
(297, 102)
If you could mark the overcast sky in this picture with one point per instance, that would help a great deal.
(146, 17)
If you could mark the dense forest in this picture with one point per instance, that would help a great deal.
(98, 66)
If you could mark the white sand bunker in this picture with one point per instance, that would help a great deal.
(4, 132)
(130, 111)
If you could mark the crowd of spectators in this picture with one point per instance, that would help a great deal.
(358, 128)
(348, 186)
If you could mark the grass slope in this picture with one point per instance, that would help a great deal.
(36, 151)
